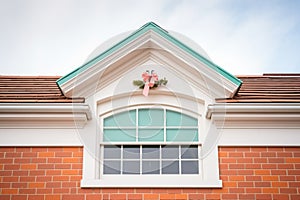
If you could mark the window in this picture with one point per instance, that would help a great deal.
(150, 147)
(150, 142)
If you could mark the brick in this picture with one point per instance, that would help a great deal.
(12, 167)
(236, 166)
(280, 197)
(278, 172)
(230, 184)
(63, 154)
(270, 178)
(151, 196)
(228, 160)
(118, 196)
(22, 160)
(36, 185)
(26, 191)
(229, 196)
(180, 196)
(70, 172)
(271, 190)
(53, 185)
(287, 178)
(294, 172)
(259, 149)
(288, 190)
(245, 184)
(63, 166)
(246, 196)
(253, 190)
(61, 191)
(269, 166)
(35, 197)
(212, 196)
(37, 173)
(44, 191)
(279, 184)
(236, 178)
(134, 196)
(39, 160)
(167, 196)
(260, 160)
(13, 154)
(54, 160)
(236, 154)
(9, 191)
(5, 197)
(19, 197)
(10, 179)
(72, 160)
(262, 184)
(46, 166)
(244, 160)
(263, 197)
(28, 166)
(268, 154)
(53, 172)
(262, 172)
(61, 178)
(293, 160)
(245, 172)
(294, 184)
(252, 166)
(73, 197)
(30, 154)
(6, 160)
(295, 197)
(236, 190)
(93, 196)
(196, 196)
(45, 154)
(276, 160)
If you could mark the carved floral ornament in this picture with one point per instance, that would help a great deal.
(150, 80)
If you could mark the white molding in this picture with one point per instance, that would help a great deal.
(44, 115)
(151, 181)
(40, 137)
(139, 49)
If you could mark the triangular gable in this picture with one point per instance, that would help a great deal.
(233, 82)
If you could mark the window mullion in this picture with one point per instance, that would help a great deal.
(179, 158)
(122, 149)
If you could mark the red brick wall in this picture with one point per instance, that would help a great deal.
(55, 173)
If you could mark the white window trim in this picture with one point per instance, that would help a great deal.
(208, 173)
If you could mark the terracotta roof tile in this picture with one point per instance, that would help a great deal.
(32, 89)
(277, 88)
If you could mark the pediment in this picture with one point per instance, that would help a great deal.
(150, 48)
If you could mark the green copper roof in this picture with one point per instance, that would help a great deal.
(154, 27)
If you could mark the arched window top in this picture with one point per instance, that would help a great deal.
(150, 125)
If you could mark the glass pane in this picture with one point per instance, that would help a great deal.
(179, 119)
(119, 135)
(151, 117)
(189, 152)
(150, 152)
(150, 167)
(151, 135)
(182, 135)
(124, 119)
(189, 167)
(112, 167)
(112, 152)
(131, 152)
(170, 152)
(170, 167)
(131, 167)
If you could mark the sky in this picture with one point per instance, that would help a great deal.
(54, 37)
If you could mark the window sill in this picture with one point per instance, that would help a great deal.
(151, 181)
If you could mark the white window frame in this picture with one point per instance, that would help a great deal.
(208, 166)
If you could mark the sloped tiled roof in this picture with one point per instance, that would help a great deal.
(268, 88)
(272, 88)
(32, 89)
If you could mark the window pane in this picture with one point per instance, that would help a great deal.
(151, 135)
(131, 167)
(131, 152)
(119, 135)
(112, 167)
(151, 117)
(182, 135)
(179, 119)
(170, 167)
(170, 152)
(189, 167)
(150, 167)
(189, 152)
(150, 152)
(112, 152)
(124, 119)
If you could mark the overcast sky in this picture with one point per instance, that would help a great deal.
(54, 37)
